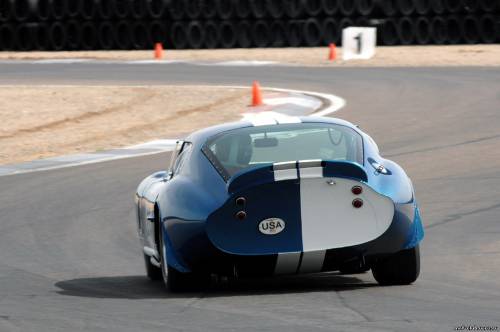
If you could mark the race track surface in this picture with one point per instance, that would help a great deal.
(70, 258)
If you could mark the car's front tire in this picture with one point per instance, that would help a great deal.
(176, 281)
(401, 268)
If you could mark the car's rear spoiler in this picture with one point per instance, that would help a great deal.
(295, 170)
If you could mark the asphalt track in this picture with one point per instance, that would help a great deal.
(70, 258)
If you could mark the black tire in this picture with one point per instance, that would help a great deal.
(401, 268)
(153, 272)
(176, 281)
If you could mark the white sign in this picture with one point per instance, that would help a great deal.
(358, 43)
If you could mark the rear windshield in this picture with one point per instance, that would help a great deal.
(236, 150)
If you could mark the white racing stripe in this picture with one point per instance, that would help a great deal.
(287, 263)
(312, 261)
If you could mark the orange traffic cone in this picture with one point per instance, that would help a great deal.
(158, 51)
(333, 52)
(256, 94)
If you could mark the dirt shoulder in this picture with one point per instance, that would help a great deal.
(456, 55)
(39, 122)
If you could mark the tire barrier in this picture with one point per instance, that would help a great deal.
(227, 34)
(422, 31)
(439, 31)
(139, 24)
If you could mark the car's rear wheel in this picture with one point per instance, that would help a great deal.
(153, 272)
(178, 281)
(401, 268)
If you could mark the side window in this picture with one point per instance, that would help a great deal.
(179, 161)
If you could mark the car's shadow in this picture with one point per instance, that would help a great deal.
(139, 287)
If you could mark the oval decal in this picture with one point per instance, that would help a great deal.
(271, 226)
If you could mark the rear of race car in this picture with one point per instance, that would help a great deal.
(306, 217)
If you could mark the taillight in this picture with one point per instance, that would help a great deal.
(241, 215)
(357, 190)
(357, 203)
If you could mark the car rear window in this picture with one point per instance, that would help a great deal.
(239, 149)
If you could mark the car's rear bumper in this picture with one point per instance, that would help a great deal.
(201, 254)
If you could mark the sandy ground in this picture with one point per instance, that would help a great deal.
(40, 122)
(458, 55)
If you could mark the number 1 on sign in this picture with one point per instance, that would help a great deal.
(359, 39)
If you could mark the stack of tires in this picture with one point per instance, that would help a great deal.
(193, 24)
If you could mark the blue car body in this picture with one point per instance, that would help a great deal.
(193, 206)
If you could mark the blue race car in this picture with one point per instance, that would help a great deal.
(281, 197)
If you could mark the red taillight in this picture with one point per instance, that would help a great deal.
(357, 203)
(241, 215)
(357, 190)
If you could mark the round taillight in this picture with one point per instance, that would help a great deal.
(241, 215)
(241, 201)
(357, 203)
(357, 190)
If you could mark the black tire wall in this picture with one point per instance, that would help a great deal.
(138, 24)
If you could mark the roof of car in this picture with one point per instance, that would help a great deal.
(204, 134)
